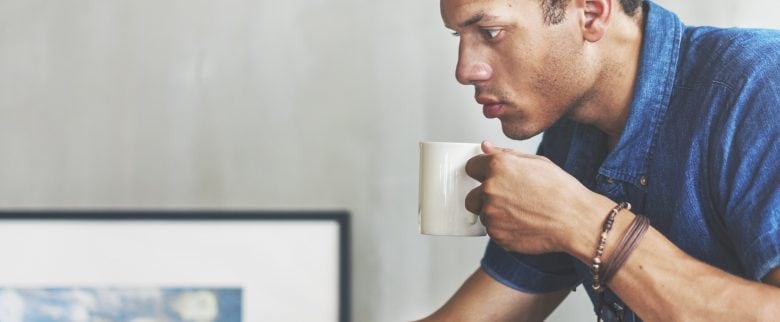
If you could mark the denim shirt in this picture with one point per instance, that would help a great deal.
(698, 155)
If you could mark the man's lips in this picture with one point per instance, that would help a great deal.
(492, 110)
(491, 106)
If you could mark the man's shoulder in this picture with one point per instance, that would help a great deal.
(732, 41)
(728, 56)
(727, 80)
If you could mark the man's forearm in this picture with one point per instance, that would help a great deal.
(660, 282)
(482, 298)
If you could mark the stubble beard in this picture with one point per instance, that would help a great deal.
(518, 126)
(559, 88)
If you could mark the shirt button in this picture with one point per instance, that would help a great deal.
(643, 180)
(610, 180)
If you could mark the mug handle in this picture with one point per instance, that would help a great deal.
(473, 219)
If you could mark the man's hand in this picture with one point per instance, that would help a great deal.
(527, 203)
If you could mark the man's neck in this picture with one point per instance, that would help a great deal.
(608, 104)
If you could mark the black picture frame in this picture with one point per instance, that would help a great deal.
(341, 218)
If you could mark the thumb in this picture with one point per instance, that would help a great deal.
(488, 147)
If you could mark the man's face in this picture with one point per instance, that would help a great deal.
(525, 72)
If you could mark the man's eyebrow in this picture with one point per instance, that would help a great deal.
(479, 16)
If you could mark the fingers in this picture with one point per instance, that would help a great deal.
(483, 220)
(474, 200)
(478, 167)
(474, 204)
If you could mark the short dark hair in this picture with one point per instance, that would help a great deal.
(555, 10)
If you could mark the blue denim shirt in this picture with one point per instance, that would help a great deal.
(698, 155)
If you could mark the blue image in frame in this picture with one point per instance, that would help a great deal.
(120, 304)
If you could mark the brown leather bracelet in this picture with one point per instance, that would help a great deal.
(630, 241)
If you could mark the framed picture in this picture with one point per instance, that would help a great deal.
(201, 266)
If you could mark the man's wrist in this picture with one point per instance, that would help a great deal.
(585, 233)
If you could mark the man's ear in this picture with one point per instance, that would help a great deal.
(595, 19)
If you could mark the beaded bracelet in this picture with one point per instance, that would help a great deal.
(597, 286)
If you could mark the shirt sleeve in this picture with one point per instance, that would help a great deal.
(747, 170)
(530, 273)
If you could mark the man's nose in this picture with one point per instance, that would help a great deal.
(471, 69)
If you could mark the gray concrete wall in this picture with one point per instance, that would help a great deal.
(241, 104)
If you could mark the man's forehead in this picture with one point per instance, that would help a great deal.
(453, 5)
(456, 13)
(466, 2)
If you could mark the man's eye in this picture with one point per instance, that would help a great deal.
(456, 34)
(490, 33)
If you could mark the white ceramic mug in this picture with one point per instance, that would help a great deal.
(444, 185)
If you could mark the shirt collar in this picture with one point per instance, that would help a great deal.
(655, 79)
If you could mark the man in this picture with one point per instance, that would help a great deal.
(681, 122)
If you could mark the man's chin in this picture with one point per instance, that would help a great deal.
(518, 133)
